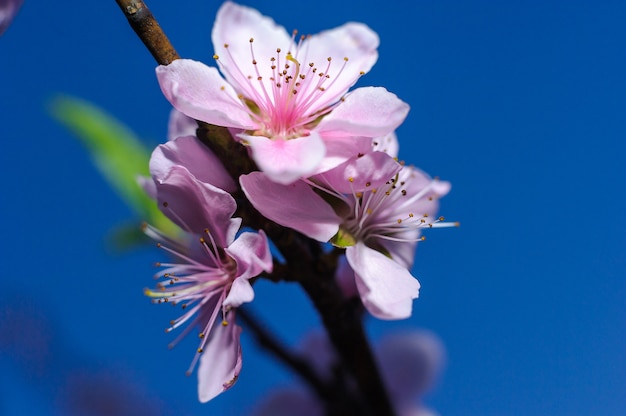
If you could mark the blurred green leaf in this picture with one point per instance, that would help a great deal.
(116, 152)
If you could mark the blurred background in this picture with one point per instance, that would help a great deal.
(520, 105)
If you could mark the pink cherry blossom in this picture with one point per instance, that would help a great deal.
(8, 10)
(286, 96)
(375, 208)
(209, 273)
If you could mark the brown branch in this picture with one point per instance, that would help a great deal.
(147, 28)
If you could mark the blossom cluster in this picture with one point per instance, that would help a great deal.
(328, 168)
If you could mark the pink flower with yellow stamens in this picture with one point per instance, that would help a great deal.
(373, 207)
(285, 96)
(210, 272)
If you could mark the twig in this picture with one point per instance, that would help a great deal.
(147, 28)
(270, 343)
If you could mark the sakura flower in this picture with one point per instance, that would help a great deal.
(375, 208)
(8, 10)
(209, 273)
(285, 97)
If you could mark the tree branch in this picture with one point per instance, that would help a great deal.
(149, 31)
(266, 340)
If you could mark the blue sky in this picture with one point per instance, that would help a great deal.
(520, 105)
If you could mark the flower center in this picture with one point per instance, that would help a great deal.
(392, 213)
(284, 93)
(199, 280)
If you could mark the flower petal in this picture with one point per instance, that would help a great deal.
(387, 289)
(340, 149)
(367, 111)
(409, 363)
(369, 171)
(285, 161)
(234, 26)
(387, 143)
(201, 93)
(252, 253)
(240, 292)
(195, 157)
(147, 184)
(195, 206)
(354, 41)
(8, 10)
(180, 125)
(220, 363)
(295, 206)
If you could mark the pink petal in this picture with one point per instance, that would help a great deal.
(340, 149)
(195, 206)
(354, 41)
(387, 289)
(402, 252)
(148, 186)
(196, 157)
(252, 253)
(359, 173)
(285, 161)
(220, 363)
(387, 143)
(295, 206)
(409, 363)
(8, 10)
(345, 278)
(234, 26)
(240, 292)
(368, 111)
(201, 93)
(180, 125)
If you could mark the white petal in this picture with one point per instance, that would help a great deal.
(387, 289)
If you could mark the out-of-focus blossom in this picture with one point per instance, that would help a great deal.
(284, 96)
(374, 207)
(8, 10)
(209, 274)
(410, 363)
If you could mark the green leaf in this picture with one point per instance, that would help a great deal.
(116, 152)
